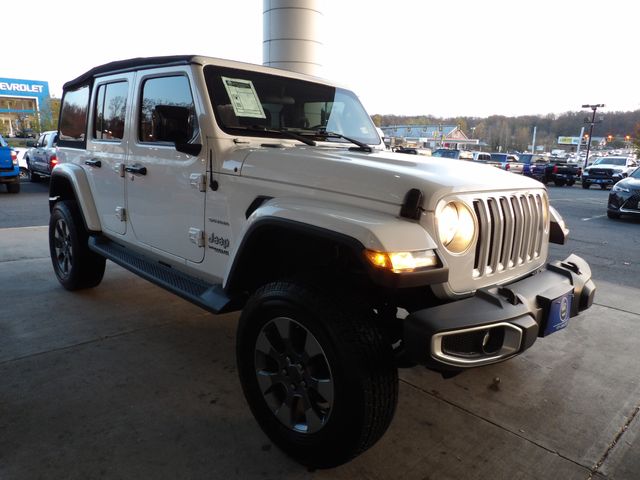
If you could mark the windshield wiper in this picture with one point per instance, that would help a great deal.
(280, 131)
(326, 133)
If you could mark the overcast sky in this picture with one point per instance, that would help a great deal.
(407, 57)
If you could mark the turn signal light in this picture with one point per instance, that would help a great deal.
(399, 262)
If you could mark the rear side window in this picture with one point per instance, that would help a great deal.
(167, 112)
(110, 110)
(73, 117)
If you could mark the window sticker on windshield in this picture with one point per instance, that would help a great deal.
(244, 97)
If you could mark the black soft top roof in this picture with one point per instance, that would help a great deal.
(129, 64)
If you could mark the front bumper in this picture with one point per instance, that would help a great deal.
(624, 202)
(600, 180)
(498, 322)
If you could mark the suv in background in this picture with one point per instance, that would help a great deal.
(508, 161)
(9, 169)
(42, 158)
(244, 187)
(606, 171)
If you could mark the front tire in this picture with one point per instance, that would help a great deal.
(317, 373)
(74, 264)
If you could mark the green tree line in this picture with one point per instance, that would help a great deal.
(515, 133)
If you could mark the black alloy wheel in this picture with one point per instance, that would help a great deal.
(75, 265)
(294, 375)
(317, 372)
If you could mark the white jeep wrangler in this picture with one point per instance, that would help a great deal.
(240, 187)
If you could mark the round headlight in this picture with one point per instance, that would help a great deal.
(456, 227)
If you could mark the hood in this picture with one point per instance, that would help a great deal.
(608, 166)
(631, 183)
(382, 176)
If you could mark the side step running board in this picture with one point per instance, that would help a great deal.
(211, 297)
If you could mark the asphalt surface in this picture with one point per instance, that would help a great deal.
(129, 381)
(28, 208)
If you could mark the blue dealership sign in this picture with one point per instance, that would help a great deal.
(29, 89)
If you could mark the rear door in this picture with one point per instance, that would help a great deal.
(38, 154)
(107, 146)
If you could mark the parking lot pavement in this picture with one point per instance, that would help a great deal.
(128, 381)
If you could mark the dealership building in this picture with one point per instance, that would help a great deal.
(23, 103)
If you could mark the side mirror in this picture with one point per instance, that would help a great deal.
(192, 149)
(172, 123)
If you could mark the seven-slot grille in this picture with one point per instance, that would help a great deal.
(511, 230)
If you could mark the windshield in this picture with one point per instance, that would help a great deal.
(247, 103)
(2, 142)
(635, 173)
(611, 161)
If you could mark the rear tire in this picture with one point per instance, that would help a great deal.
(13, 187)
(74, 264)
(613, 215)
(35, 178)
(317, 372)
(559, 183)
(585, 185)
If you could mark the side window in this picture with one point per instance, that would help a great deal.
(110, 109)
(167, 112)
(73, 117)
(40, 142)
(45, 139)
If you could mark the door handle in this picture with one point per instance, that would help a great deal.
(137, 169)
(93, 163)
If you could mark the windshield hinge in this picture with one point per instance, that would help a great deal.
(196, 236)
(198, 181)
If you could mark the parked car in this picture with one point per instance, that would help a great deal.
(26, 133)
(9, 169)
(508, 161)
(550, 169)
(42, 157)
(480, 156)
(452, 153)
(624, 196)
(606, 171)
(22, 162)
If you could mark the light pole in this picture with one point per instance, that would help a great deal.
(591, 124)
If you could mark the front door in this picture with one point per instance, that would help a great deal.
(165, 188)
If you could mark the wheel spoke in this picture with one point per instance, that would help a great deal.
(265, 380)
(283, 326)
(264, 345)
(314, 422)
(324, 388)
(311, 347)
(284, 413)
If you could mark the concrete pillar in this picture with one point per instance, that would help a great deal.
(292, 35)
